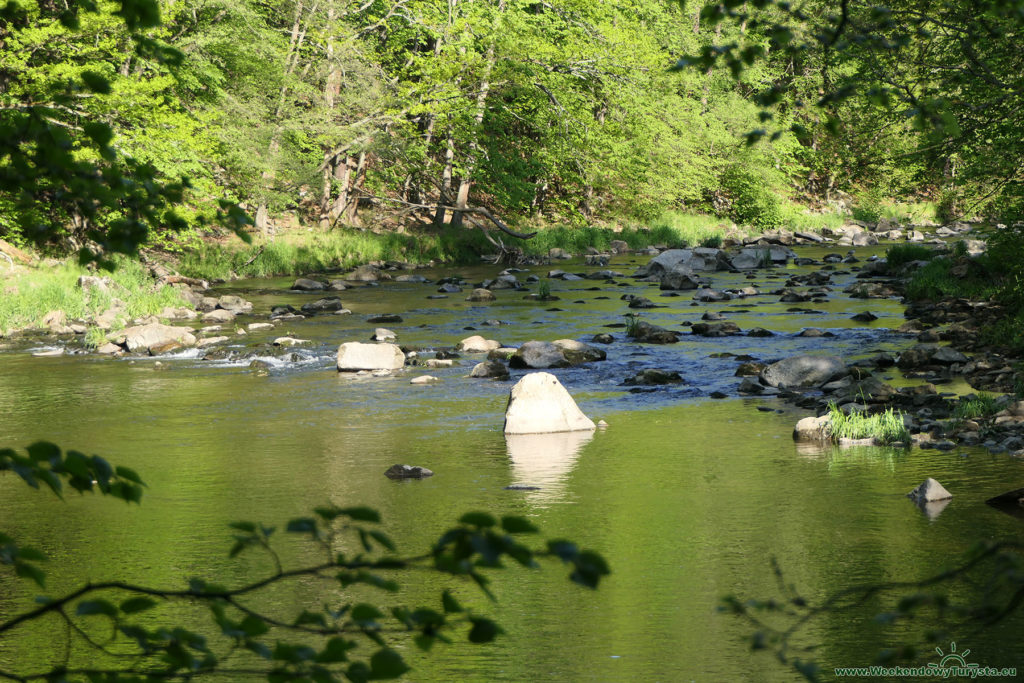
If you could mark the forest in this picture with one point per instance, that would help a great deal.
(337, 114)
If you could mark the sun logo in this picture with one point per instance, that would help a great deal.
(954, 658)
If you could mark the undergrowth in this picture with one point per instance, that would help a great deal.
(30, 295)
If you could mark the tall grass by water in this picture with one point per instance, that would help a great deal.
(29, 294)
(337, 250)
(887, 427)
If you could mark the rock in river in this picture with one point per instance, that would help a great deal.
(144, 337)
(539, 404)
(928, 491)
(407, 472)
(354, 356)
(803, 371)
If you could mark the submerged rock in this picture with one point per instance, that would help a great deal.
(407, 472)
(653, 377)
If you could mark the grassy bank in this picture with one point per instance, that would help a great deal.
(310, 251)
(307, 252)
(30, 293)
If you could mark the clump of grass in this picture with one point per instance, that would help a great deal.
(544, 289)
(33, 294)
(901, 254)
(936, 280)
(886, 427)
(632, 321)
(973, 407)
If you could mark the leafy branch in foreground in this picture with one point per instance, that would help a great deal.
(991, 572)
(342, 638)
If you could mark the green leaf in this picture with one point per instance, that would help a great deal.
(44, 451)
(253, 626)
(451, 605)
(95, 82)
(478, 519)
(361, 514)
(386, 664)
(129, 474)
(365, 613)
(101, 134)
(302, 525)
(336, 650)
(30, 571)
(518, 525)
(139, 604)
(484, 630)
(90, 607)
(382, 539)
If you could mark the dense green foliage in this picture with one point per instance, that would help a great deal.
(553, 112)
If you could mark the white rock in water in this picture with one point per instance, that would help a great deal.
(354, 356)
(424, 379)
(539, 404)
(930, 490)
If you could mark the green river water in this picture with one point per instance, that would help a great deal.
(687, 497)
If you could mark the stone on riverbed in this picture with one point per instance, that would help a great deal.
(812, 429)
(477, 344)
(219, 315)
(306, 285)
(539, 404)
(481, 295)
(145, 337)
(327, 305)
(653, 377)
(407, 472)
(490, 369)
(803, 371)
(557, 354)
(355, 356)
(652, 334)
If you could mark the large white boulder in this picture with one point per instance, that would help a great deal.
(354, 356)
(143, 337)
(539, 404)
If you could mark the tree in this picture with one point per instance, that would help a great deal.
(324, 642)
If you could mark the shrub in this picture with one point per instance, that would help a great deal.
(948, 208)
(750, 201)
(869, 206)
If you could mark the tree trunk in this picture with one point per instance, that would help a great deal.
(446, 180)
(462, 199)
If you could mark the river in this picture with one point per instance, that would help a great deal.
(686, 496)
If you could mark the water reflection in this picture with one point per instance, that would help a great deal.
(544, 461)
(933, 508)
